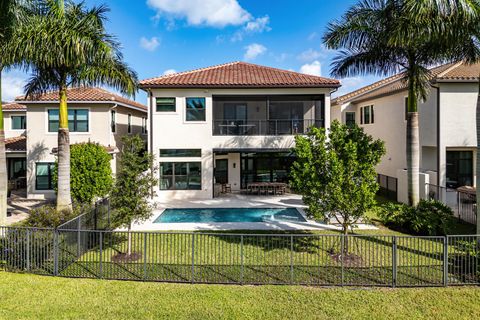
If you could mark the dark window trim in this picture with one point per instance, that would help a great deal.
(174, 105)
(204, 109)
(49, 175)
(23, 122)
(354, 117)
(129, 123)
(187, 176)
(177, 153)
(75, 120)
(113, 121)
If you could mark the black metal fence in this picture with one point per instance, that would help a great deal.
(388, 187)
(463, 203)
(307, 259)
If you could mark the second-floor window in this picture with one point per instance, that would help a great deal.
(195, 109)
(113, 121)
(165, 104)
(19, 122)
(129, 125)
(367, 115)
(77, 120)
(350, 118)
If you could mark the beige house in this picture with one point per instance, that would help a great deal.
(95, 115)
(232, 124)
(448, 138)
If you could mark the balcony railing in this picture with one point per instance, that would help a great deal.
(264, 127)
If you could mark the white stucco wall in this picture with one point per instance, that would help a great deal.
(7, 120)
(171, 131)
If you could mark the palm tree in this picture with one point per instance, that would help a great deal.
(383, 37)
(67, 46)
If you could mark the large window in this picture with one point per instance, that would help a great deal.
(367, 115)
(180, 176)
(221, 171)
(17, 167)
(195, 109)
(165, 104)
(177, 153)
(265, 167)
(113, 121)
(350, 118)
(77, 120)
(459, 169)
(43, 176)
(19, 122)
(129, 124)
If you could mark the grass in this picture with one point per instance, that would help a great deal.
(37, 297)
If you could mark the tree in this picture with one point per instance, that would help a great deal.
(335, 173)
(388, 36)
(91, 172)
(66, 45)
(129, 198)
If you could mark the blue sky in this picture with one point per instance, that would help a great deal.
(161, 36)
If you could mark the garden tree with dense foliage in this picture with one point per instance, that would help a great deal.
(335, 172)
(66, 45)
(135, 179)
(383, 37)
(91, 172)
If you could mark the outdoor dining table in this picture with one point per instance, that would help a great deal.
(266, 188)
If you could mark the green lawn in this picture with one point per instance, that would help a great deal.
(37, 297)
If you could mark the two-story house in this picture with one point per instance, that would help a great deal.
(230, 124)
(448, 139)
(95, 115)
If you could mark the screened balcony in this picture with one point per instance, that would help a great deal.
(267, 115)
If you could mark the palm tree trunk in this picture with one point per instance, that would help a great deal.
(64, 200)
(413, 145)
(3, 164)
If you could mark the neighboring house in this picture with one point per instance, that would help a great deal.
(230, 124)
(95, 115)
(447, 125)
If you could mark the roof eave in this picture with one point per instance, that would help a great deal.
(163, 86)
(86, 102)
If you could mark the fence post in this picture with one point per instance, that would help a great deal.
(145, 256)
(79, 227)
(342, 248)
(28, 249)
(394, 261)
(101, 255)
(55, 252)
(445, 261)
(241, 259)
(291, 259)
(193, 257)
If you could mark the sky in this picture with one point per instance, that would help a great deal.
(165, 36)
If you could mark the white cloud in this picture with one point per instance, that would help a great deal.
(215, 13)
(309, 55)
(314, 68)
(169, 71)
(149, 44)
(312, 36)
(258, 25)
(351, 84)
(254, 50)
(12, 86)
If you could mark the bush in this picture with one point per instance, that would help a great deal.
(429, 217)
(90, 172)
(48, 217)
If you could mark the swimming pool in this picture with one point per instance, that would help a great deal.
(208, 215)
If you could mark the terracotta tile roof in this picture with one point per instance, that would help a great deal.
(239, 75)
(16, 144)
(14, 107)
(85, 94)
(451, 71)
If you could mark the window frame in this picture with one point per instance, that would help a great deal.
(354, 117)
(197, 153)
(204, 109)
(23, 123)
(166, 111)
(173, 176)
(113, 121)
(367, 117)
(51, 166)
(129, 123)
(144, 125)
(74, 110)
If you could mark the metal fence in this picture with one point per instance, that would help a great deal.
(388, 187)
(230, 258)
(463, 203)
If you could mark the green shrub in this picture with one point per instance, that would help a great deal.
(429, 217)
(90, 172)
(48, 217)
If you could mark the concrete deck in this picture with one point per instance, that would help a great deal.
(239, 201)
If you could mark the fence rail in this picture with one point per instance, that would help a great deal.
(463, 203)
(230, 258)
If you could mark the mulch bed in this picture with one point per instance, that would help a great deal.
(349, 259)
(123, 257)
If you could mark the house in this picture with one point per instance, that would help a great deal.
(230, 124)
(447, 126)
(95, 115)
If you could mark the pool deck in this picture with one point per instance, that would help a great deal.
(239, 201)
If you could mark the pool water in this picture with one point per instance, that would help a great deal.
(207, 215)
